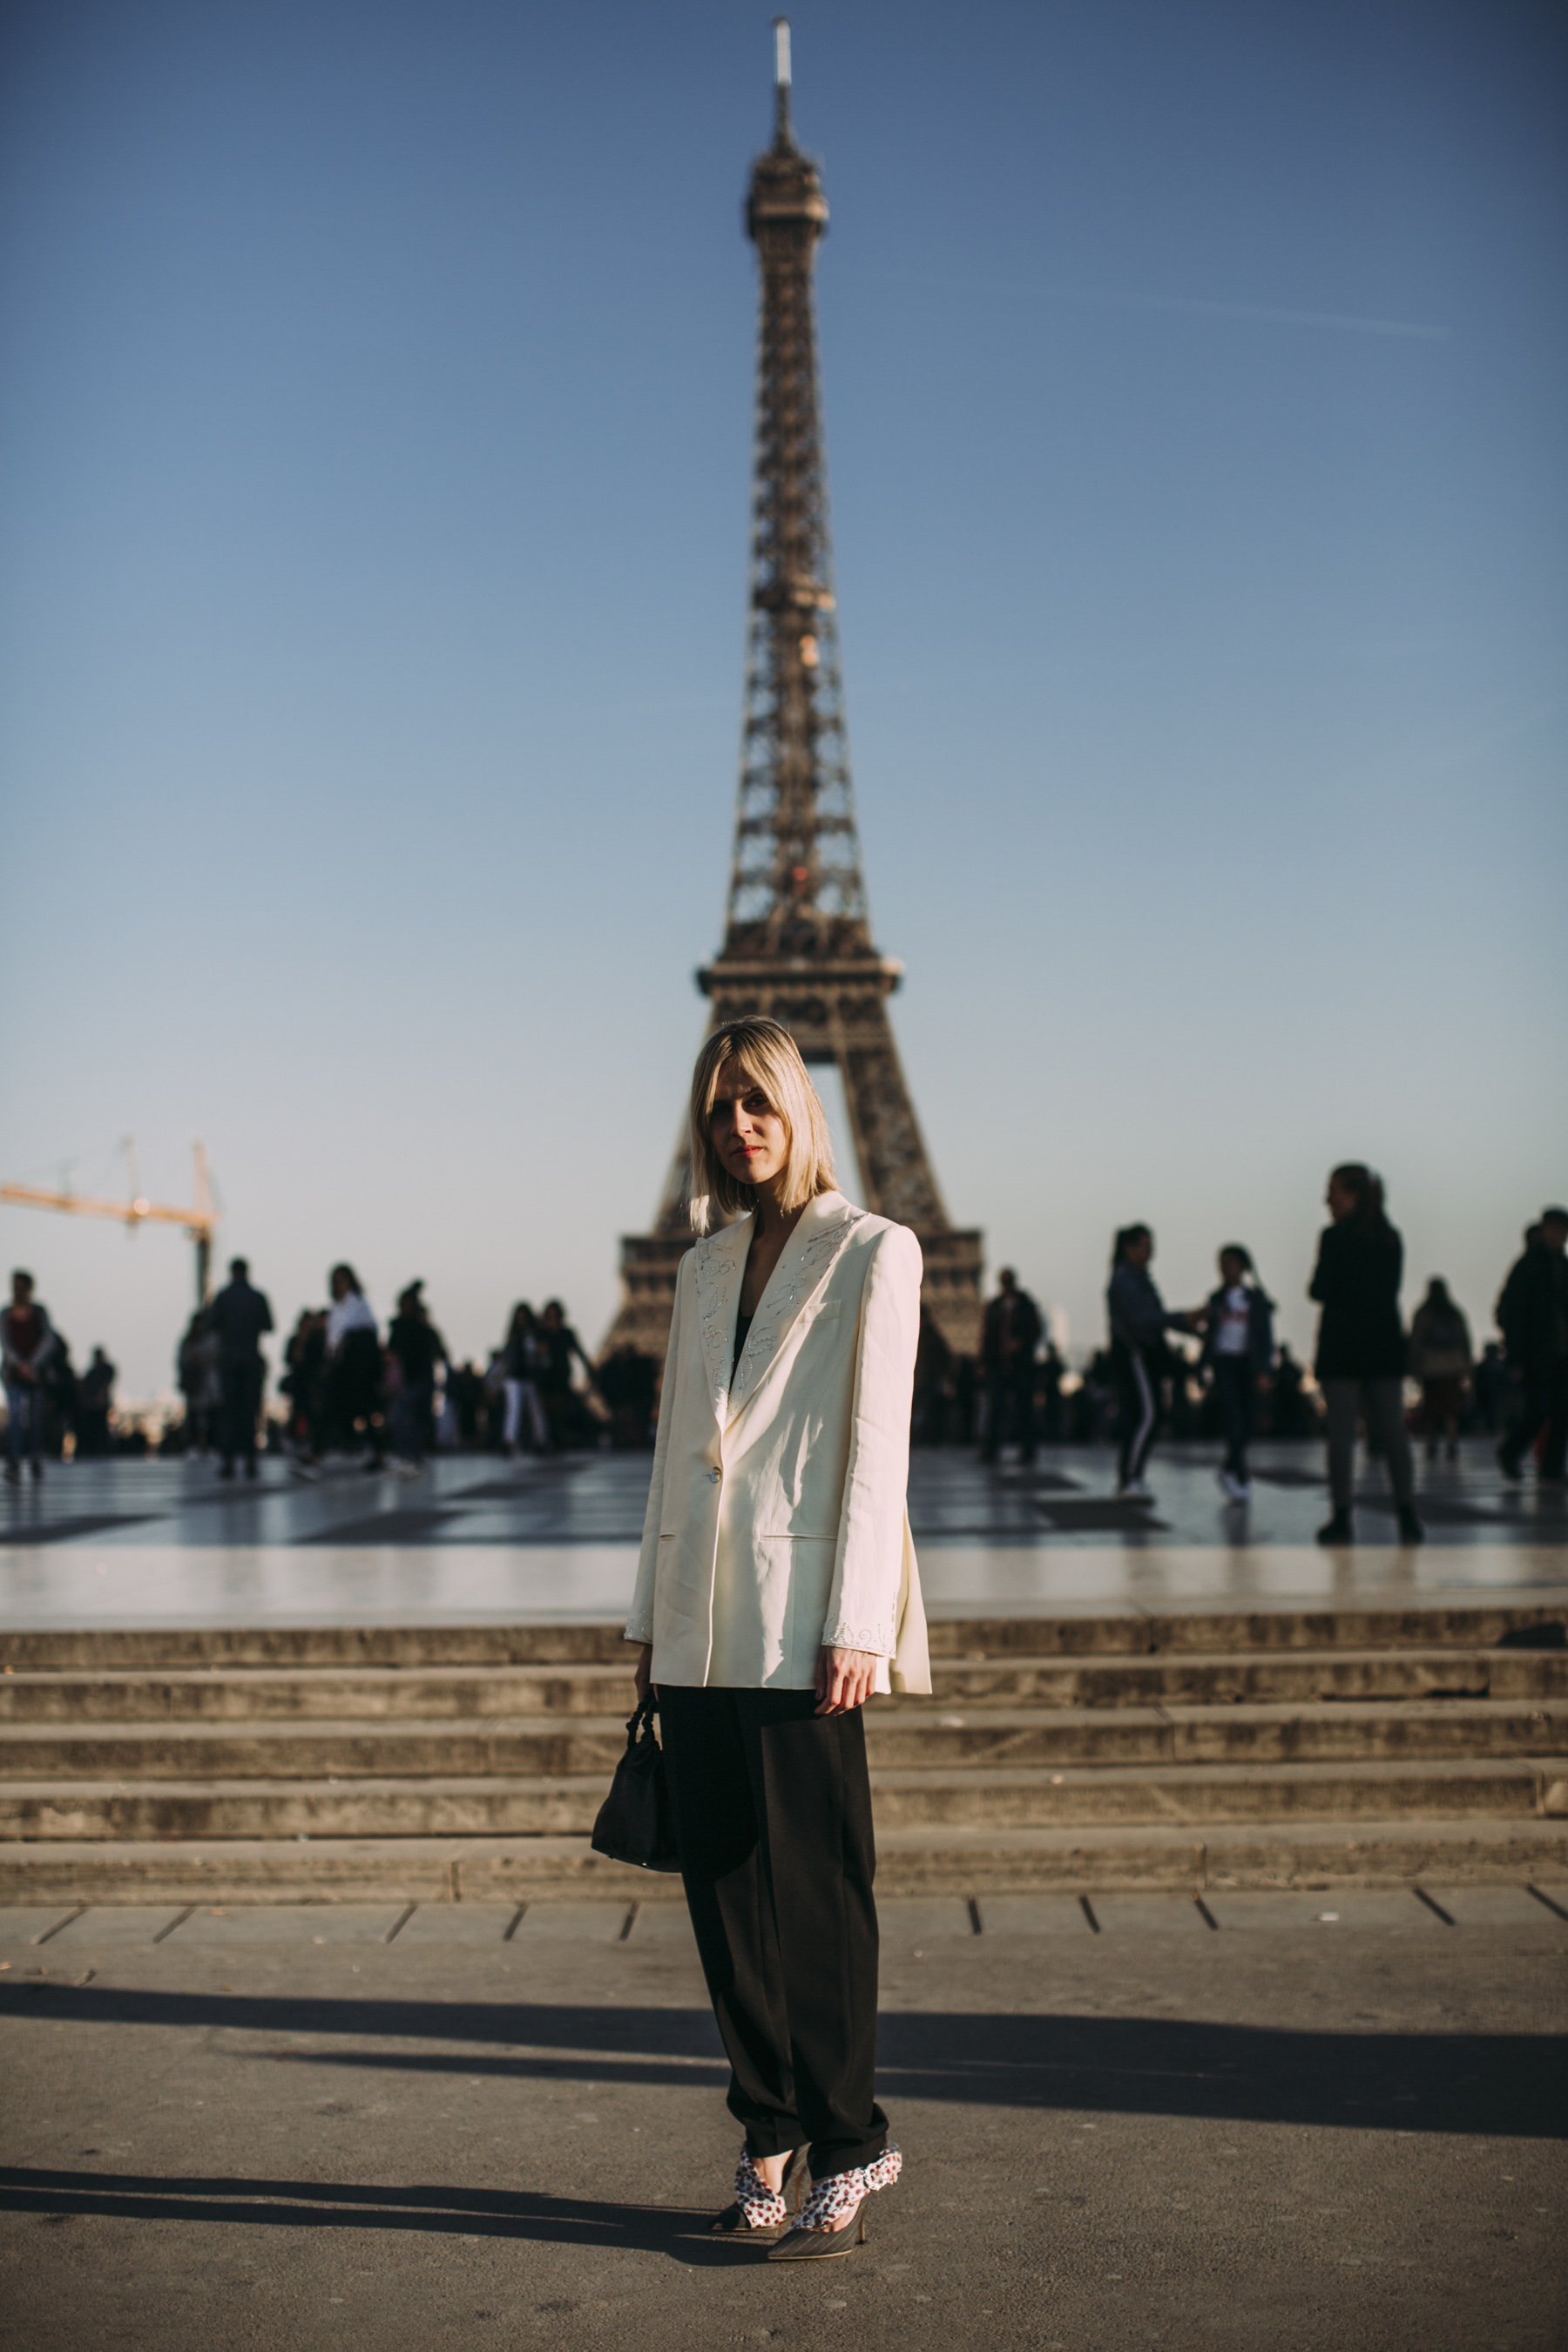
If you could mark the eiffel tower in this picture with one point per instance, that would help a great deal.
(798, 944)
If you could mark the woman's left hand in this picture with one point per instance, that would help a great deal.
(845, 1680)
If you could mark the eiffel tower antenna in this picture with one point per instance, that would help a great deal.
(797, 941)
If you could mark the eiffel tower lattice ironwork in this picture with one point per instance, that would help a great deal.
(797, 943)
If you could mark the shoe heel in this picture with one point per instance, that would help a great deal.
(860, 2238)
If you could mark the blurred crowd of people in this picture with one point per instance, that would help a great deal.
(48, 1399)
(391, 1399)
(1214, 1370)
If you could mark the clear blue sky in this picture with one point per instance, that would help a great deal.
(375, 438)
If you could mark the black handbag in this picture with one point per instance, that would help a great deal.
(636, 1820)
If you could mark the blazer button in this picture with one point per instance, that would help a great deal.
(713, 1477)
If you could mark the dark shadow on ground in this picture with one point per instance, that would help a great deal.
(339, 2205)
(1507, 2084)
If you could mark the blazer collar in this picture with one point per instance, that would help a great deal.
(804, 1265)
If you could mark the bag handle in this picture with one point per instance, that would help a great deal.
(642, 1715)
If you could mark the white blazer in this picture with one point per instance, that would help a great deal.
(777, 1517)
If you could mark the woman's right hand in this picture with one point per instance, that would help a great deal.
(642, 1670)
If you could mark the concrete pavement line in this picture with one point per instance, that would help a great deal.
(399, 1924)
(1422, 1897)
(514, 1924)
(66, 1923)
(178, 1921)
(1529, 1890)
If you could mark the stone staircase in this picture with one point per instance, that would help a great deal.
(1202, 1749)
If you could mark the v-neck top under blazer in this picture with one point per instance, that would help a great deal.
(777, 1518)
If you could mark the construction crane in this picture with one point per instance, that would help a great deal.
(200, 1221)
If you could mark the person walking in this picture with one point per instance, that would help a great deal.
(196, 1369)
(94, 1402)
(1360, 1347)
(238, 1317)
(521, 1354)
(1238, 1349)
(556, 1345)
(417, 1346)
(354, 1403)
(776, 1590)
(1139, 1322)
(1532, 1316)
(303, 1380)
(28, 1342)
(1441, 1360)
(1009, 1337)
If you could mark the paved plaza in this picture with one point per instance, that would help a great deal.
(128, 1542)
(1310, 2122)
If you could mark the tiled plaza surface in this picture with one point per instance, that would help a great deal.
(128, 1542)
(1310, 2122)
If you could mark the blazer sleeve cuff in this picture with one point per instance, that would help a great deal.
(640, 1627)
(878, 1641)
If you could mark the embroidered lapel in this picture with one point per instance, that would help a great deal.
(720, 1260)
(803, 1268)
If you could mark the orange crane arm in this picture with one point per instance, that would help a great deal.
(128, 1212)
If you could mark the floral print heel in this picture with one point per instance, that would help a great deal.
(833, 2219)
(758, 2211)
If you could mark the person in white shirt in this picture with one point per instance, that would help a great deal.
(776, 1590)
(1239, 1348)
(354, 1410)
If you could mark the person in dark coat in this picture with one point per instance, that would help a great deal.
(304, 1381)
(238, 1317)
(1010, 1336)
(353, 1370)
(1360, 1347)
(416, 1348)
(1442, 1360)
(28, 1343)
(558, 1344)
(94, 1402)
(934, 1383)
(1140, 1359)
(1532, 1316)
(1238, 1351)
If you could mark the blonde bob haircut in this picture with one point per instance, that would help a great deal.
(770, 1058)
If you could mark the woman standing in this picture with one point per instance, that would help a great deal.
(354, 1370)
(775, 1591)
(1360, 1347)
(1139, 1322)
(1239, 1348)
(1440, 1358)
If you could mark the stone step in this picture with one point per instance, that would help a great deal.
(1318, 1731)
(1022, 1798)
(310, 1694)
(960, 1862)
(541, 1805)
(1208, 1679)
(1240, 1735)
(1107, 1634)
(481, 1694)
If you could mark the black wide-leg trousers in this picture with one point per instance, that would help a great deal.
(772, 1806)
